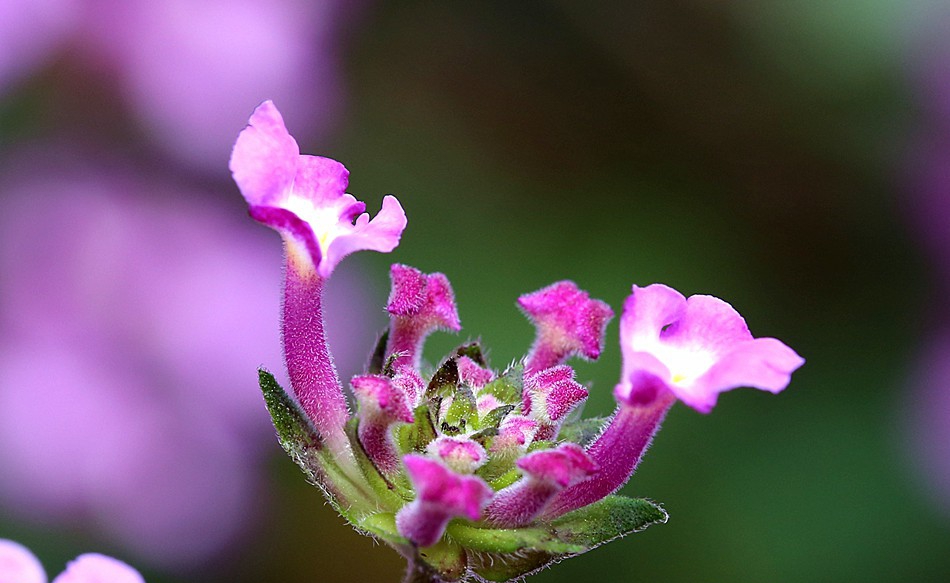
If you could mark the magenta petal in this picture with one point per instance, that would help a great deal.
(648, 309)
(473, 374)
(378, 395)
(708, 323)
(95, 568)
(264, 159)
(569, 323)
(418, 305)
(380, 234)
(461, 454)
(762, 363)
(441, 496)
(325, 180)
(564, 466)
(19, 565)
(697, 348)
(303, 197)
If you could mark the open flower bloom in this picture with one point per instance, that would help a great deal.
(303, 197)
(19, 565)
(696, 348)
(674, 348)
(470, 472)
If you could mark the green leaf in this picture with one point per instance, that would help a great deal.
(582, 432)
(447, 558)
(603, 521)
(506, 554)
(304, 445)
(296, 433)
(383, 525)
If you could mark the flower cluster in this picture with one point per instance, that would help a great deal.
(471, 472)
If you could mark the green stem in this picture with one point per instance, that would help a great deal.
(418, 572)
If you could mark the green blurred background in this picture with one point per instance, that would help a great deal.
(749, 150)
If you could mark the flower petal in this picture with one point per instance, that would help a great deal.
(762, 363)
(19, 565)
(264, 158)
(708, 324)
(323, 181)
(646, 311)
(95, 568)
(382, 234)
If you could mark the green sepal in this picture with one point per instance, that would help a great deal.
(391, 491)
(300, 439)
(582, 432)
(417, 435)
(473, 350)
(506, 554)
(493, 418)
(447, 558)
(508, 387)
(461, 412)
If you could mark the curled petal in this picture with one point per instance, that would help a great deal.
(303, 197)
(418, 305)
(441, 496)
(474, 374)
(563, 466)
(569, 323)
(546, 473)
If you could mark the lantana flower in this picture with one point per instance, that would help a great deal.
(19, 565)
(473, 473)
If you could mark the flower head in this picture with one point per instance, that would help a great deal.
(303, 197)
(696, 348)
(470, 472)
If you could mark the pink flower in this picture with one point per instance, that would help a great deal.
(697, 348)
(674, 348)
(19, 565)
(303, 198)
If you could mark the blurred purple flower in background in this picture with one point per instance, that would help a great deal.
(926, 176)
(132, 314)
(190, 69)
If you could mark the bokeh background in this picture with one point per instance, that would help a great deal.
(790, 157)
